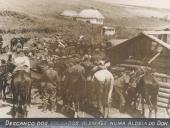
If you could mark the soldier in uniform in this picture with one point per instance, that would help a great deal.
(21, 61)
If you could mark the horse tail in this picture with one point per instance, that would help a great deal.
(19, 94)
(23, 89)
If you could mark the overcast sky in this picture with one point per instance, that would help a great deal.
(150, 3)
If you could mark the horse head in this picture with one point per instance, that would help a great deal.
(10, 67)
(126, 78)
(107, 65)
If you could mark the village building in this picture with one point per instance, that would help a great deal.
(92, 16)
(108, 31)
(149, 47)
(69, 14)
(166, 18)
(114, 42)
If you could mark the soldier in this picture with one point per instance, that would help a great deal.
(21, 61)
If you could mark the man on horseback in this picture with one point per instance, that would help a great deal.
(21, 61)
(21, 81)
(99, 63)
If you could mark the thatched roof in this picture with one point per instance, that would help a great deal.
(69, 13)
(91, 13)
(147, 34)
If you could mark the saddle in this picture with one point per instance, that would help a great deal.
(97, 68)
(22, 68)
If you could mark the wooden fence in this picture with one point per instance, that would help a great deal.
(164, 90)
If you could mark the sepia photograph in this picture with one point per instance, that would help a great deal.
(84, 59)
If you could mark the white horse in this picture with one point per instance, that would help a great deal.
(103, 82)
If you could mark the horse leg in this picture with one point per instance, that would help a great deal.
(4, 89)
(136, 97)
(150, 111)
(156, 110)
(139, 101)
(56, 100)
(19, 111)
(29, 96)
(154, 104)
(45, 100)
(14, 109)
(101, 108)
(122, 99)
(13, 112)
(78, 108)
(104, 110)
(75, 110)
(106, 103)
(108, 110)
(100, 105)
(25, 111)
(143, 107)
(150, 106)
(1, 88)
(106, 107)
(0, 95)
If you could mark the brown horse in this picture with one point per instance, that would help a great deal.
(120, 87)
(46, 75)
(74, 88)
(44, 80)
(15, 41)
(21, 89)
(147, 88)
(5, 70)
(3, 81)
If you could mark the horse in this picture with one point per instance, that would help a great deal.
(147, 88)
(3, 82)
(103, 82)
(21, 90)
(47, 78)
(23, 40)
(120, 87)
(131, 91)
(4, 49)
(5, 69)
(15, 41)
(74, 88)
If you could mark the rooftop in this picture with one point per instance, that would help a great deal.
(91, 13)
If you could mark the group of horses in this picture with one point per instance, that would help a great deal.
(77, 87)
(18, 40)
(14, 41)
(139, 88)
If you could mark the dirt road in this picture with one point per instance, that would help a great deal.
(35, 111)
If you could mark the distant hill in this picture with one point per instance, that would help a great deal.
(118, 15)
